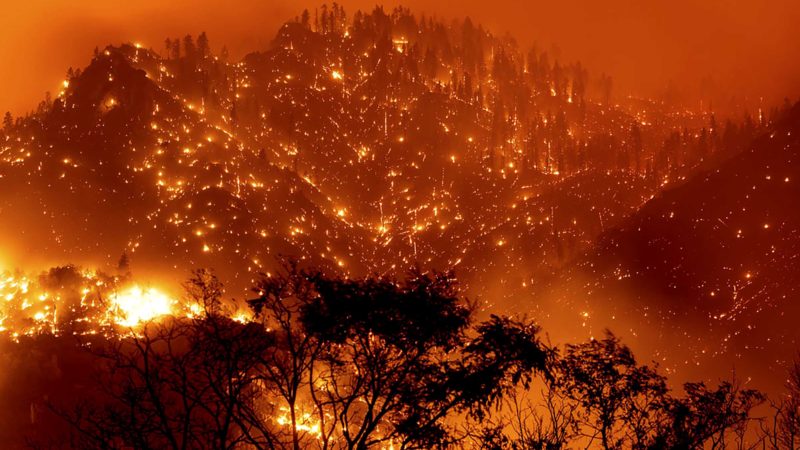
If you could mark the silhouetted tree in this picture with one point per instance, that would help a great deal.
(8, 121)
(189, 48)
(330, 362)
(549, 424)
(782, 430)
(124, 263)
(705, 415)
(623, 402)
(389, 361)
(203, 49)
(180, 383)
(176, 48)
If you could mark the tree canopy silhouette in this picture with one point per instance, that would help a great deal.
(328, 362)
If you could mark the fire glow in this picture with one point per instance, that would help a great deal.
(136, 305)
(89, 304)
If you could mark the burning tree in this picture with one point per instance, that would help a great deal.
(329, 362)
(178, 383)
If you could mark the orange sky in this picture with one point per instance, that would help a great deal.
(748, 47)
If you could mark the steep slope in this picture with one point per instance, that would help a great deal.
(120, 165)
(361, 165)
(363, 145)
(706, 271)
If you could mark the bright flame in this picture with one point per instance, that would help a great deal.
(305, 422)
(137, 305)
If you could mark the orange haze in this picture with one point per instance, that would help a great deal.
(742, 48)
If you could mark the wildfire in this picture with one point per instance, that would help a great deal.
(137, 305)
(305, 422)
(89, 303)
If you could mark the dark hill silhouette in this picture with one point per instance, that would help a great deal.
(707, 268)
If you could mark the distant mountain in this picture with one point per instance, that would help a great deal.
(365, 145)
(707, 271)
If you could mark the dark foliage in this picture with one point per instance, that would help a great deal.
(331, 362)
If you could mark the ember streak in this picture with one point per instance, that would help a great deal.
(372, 143)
